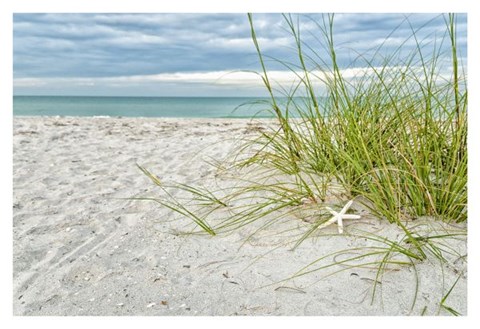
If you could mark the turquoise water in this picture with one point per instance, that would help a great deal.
(177, 107)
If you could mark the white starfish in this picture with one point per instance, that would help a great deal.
(340, 216)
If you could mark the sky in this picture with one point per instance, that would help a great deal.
(197, 54)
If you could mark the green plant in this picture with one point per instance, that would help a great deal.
(394, 137)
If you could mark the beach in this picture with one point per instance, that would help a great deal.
(82, 247)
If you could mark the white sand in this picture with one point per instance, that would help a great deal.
(80, 250)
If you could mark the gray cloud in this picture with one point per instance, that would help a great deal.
(48, 46)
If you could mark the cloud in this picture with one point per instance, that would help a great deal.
(29, 82)
(225, 83)
(177, 47)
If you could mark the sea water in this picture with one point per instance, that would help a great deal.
(178, 107)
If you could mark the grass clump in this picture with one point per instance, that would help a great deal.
(392, 136)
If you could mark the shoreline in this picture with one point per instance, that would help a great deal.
(81, 248)
(139, 117)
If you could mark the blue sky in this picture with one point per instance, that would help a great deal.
(191, 54)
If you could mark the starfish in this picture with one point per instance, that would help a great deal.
(340, 216)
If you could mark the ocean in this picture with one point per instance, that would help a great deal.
(176, 107)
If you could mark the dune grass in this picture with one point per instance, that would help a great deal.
(395, 134)
(393, 138)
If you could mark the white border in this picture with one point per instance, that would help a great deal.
(218, 6)
(140, 6)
